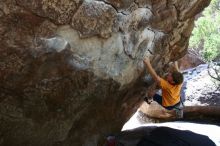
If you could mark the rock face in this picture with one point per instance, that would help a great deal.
(190, 60)
(69, 69)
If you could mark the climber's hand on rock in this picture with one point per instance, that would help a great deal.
(146, 60)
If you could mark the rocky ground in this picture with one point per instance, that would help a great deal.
(199, 88)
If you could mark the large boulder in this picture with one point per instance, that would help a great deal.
(190, 60)
(70, 70)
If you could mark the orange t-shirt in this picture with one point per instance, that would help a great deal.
(170, 93)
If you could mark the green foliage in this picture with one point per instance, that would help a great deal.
(206, 33)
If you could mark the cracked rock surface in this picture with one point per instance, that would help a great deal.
(71, 70)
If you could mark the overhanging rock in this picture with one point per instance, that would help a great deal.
(69, 69)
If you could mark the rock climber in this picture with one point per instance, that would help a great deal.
(170, 86)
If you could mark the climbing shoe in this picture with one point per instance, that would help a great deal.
(147, 99)
(179, 113)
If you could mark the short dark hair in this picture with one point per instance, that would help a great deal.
(177, 77)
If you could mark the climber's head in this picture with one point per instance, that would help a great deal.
(175, 78)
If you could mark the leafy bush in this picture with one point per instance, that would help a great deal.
(205, 37)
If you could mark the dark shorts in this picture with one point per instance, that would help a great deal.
(158, 99)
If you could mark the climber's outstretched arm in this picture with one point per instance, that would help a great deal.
(176, 66)
(151, 70)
